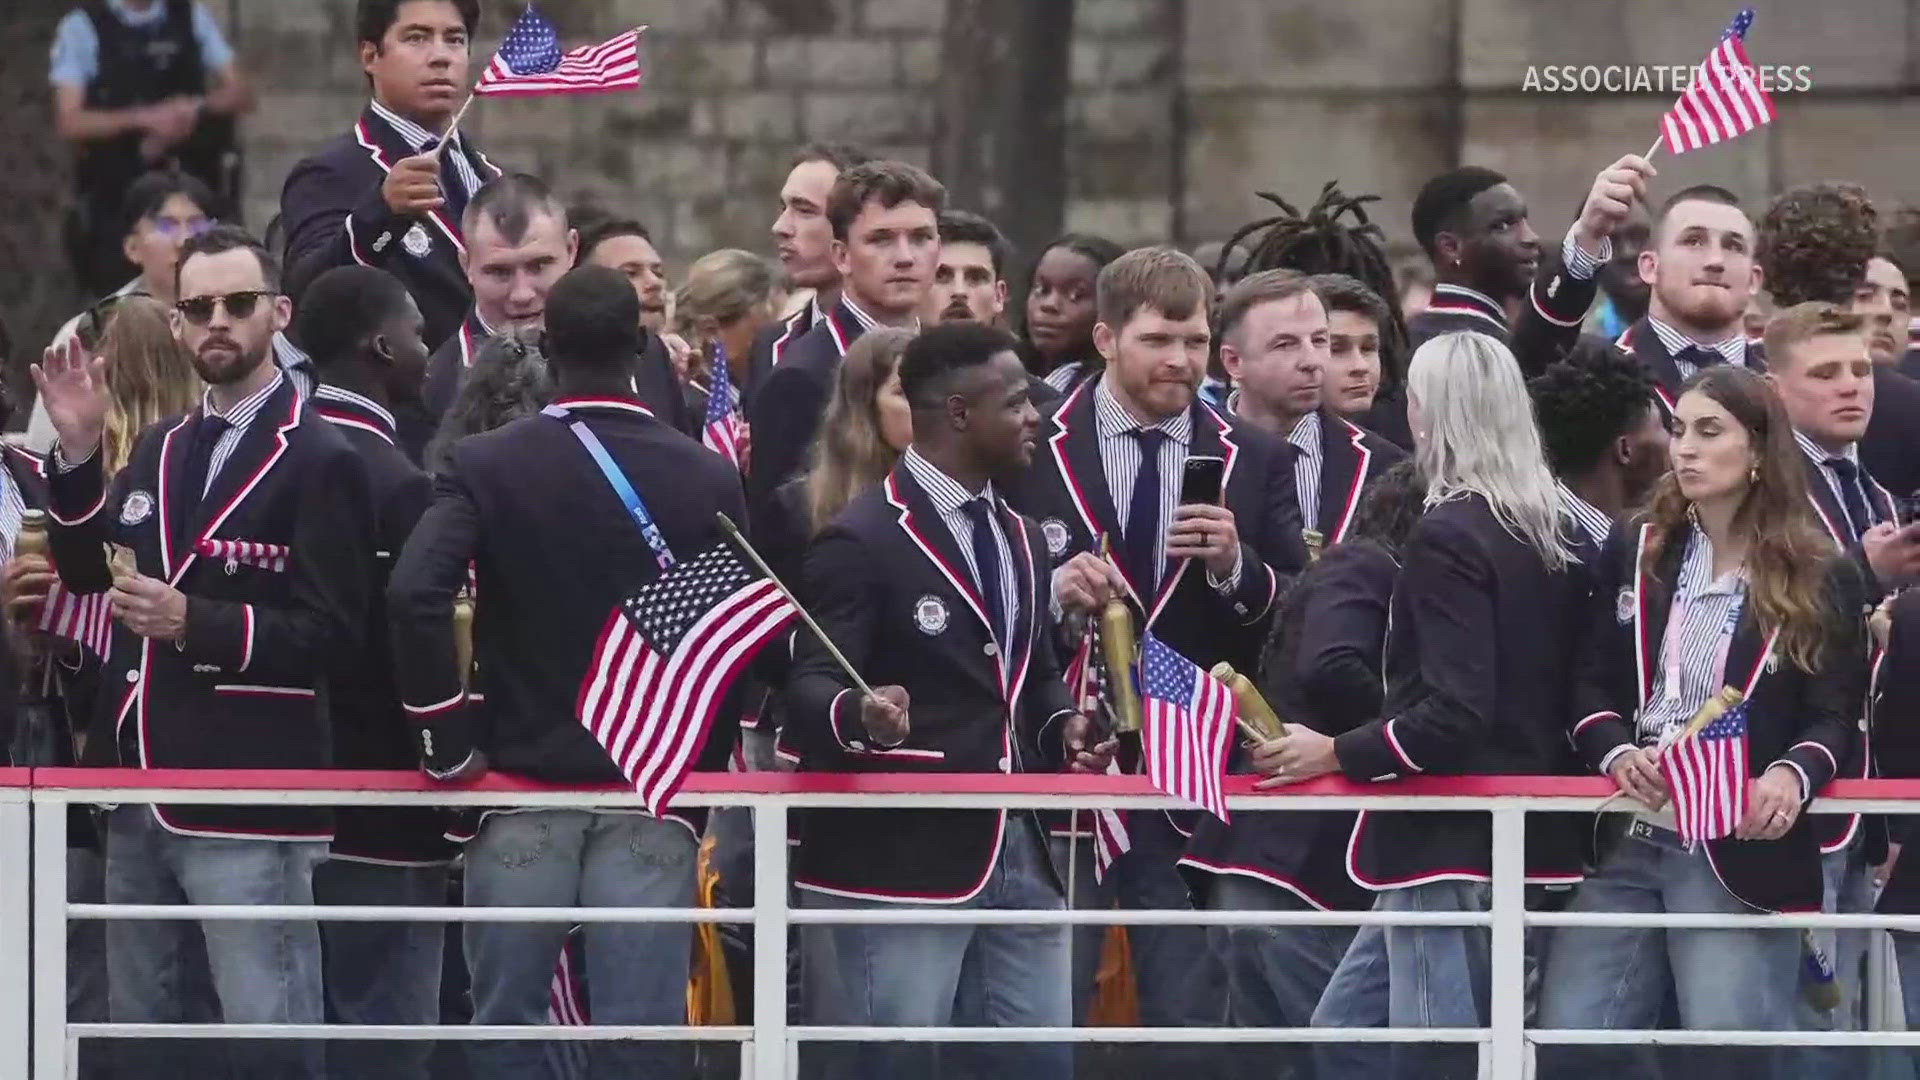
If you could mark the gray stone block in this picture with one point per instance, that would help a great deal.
(698, 63)
(1127, 222)
(1120, 114)
(1867, 141)
(762, 114)
(688, 15)
(1319, 44)
(835, 62)
(920, 61)
(915, 15)
(1112, 17)
(1292, 145)
(867, 117)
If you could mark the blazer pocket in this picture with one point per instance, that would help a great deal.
(252, 553)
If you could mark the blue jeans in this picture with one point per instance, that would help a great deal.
(1356, 997)
(1276, 975)
(904, 975)
(1614, 978)
(264, 972)
(636, 972)
(382, 973)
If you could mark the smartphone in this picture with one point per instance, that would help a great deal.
(1906, 510)
(1201, 480)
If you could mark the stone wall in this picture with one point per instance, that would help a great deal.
(1178, 110)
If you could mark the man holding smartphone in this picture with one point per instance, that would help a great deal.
(1275, 343)
(1200, 558)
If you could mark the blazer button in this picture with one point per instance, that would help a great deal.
(133, 676)
(991, 649)
(1004, 764)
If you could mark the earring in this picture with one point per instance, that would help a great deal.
(1753, 474)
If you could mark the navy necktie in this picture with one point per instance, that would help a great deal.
(1143, 516)
(986, 561)
(1701, 358)
(1851, 497)
(206, 435)
(451, 188)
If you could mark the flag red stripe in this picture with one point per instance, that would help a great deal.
(682, 687)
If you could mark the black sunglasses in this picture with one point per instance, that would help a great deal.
(198, 310)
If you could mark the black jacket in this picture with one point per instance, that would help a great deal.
(370, 729)
(1066, 490)
(1836, 831)
(770, 348)
(785, 410)
(889, 585)
(553, 558)
(1806, 719)
(1896, 728)
(657, 386)
(334, 216)
(246, 688)
(1477, 667)
(1325, 674)
(1350, 457)
(1891, 447)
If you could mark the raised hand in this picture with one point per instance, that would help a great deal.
(73, 386)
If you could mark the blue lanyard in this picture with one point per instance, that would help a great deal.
(618, 479)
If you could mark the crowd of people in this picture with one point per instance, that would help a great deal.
(360, 493)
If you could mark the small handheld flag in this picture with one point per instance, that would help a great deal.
(1189, 716)
(1723, 100)
(721, 431)
(664, 661)
(1706, 773)
(1086, 677)
(530, 62)
(86, 618)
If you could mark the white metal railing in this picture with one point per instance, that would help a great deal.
(34, 910)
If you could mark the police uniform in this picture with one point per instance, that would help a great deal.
(335, 215)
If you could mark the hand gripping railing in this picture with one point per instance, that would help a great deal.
(34, 906)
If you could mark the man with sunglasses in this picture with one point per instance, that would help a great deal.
(243, 540)
(163, 211)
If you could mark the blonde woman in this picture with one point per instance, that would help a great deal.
(150, 374)
(730, 296)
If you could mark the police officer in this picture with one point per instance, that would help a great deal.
(141, 85)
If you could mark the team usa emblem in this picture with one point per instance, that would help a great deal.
(1623, 605)
(137, 508)
(930, 615)
(1055, 532)
(417, 242)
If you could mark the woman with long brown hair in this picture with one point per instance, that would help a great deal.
(150, 374)
(1725, 581)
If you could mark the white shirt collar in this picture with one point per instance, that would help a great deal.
(412, 134)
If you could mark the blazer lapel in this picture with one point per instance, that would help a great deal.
(930, 534)
(261, 446)
(1344, 463)
(1644, 344)
(174, 518)
(1820, 495)
(843, 326)
(385, 146)
(1075, 445)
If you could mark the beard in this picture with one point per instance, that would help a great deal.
(223, 361)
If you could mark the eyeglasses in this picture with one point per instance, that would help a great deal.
(172, 229)
(198, 310)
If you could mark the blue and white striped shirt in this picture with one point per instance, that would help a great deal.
(1692, 661)
(240, 416)
(417, 137)
(1120, 460)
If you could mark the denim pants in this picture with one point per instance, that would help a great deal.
(1614, 978)
(381, 973)
(906, 975)
(1355, 997)
(265, 972)
(636, 972)
(1275, 974)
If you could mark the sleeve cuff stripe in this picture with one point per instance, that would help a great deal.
(1584, 721)
(1534, 296)
(83, 518)
(1835, 765)
(1393, 743)
(438, 707)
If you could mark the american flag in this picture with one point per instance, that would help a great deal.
(1086, 677)
(1707, 777)
(665, 659)
(1185, 727)
(566, 997)
(722, 431)
(1723, 100)
(86, 618)
(530, 62)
